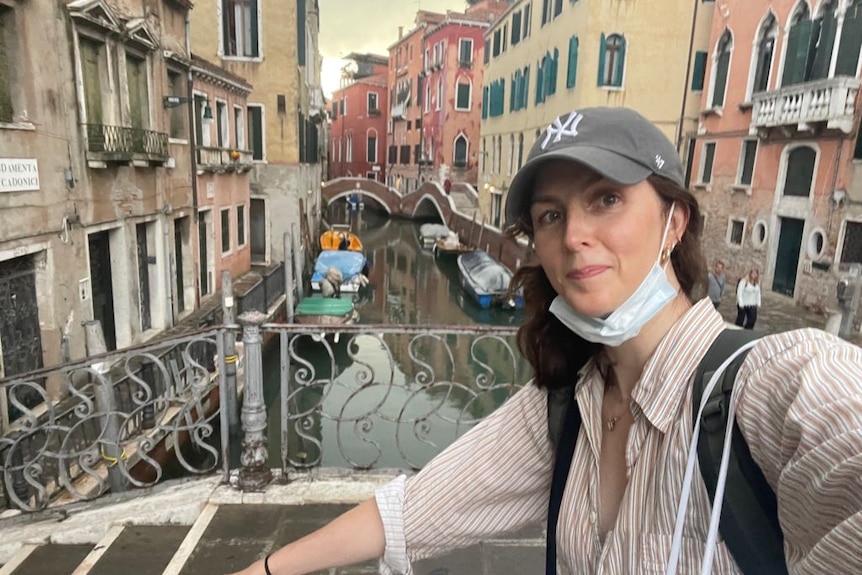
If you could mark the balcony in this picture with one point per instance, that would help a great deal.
(222, 160)
(830, 101)
(112, 144)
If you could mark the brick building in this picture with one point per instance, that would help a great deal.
(358, 119)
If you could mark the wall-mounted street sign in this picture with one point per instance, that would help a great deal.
(18, 175)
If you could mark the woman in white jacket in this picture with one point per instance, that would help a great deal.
(748, 299)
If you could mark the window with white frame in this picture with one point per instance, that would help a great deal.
(511, 153)
(463, 94)
(373, 108)
(222, 138)
(177, 114)
(255, 131)
(765, 50)
(497, 207)
(735, 232)
(439, 102)
(240, 28)
(240, 225)
(202, 124)
(11, 83)
(225, 230)
(612, 60)
(348, 149)
(721, 68)
(747, 154)
(371, 146)
(137, 83)
(706, 161)
(459, 159)
(465, 52)
(239, 127)
(799, 176)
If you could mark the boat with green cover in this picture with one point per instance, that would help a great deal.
(318, 310)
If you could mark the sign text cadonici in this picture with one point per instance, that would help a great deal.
(18, 174)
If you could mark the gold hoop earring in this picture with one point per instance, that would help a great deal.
(666, 253)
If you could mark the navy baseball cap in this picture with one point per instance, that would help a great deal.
(618, 143)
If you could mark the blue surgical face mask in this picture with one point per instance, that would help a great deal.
(625, 322)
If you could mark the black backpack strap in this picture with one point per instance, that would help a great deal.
(564, 435)
(749, 515)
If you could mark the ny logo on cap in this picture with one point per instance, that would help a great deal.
(558, 129)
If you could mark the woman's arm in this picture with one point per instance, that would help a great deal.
(801, 414)
(758, 295)
(739, 289)
(353, 537)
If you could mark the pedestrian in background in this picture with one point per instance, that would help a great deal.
(717, 281)
(747, 299)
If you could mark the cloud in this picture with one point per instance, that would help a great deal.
(370, 25)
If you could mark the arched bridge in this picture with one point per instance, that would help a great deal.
(429, 200)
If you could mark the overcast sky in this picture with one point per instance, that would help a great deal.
(366, 26)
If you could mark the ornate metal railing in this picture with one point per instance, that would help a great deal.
(832, 101)
(351, 396)
(124, 143)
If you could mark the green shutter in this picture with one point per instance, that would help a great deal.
(798, 53)
(823, 54)
(571, 71)
(525, 95)
(512, 92)
(621, 63)
(6, 111)
(720, 86)
(850, 44)
(516, 28)
(539, 83)
(92, 84)
(602, 48)
(699, 71)
(484, 102)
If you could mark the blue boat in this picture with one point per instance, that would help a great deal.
(487, 281)
(350, 264)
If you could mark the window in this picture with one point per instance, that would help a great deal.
(800, 171)
(511, 154)
(371, 176)
(393, 154)
(497, 207)
(572, 70)
(239, 127)
(139, 94)
(240, 225)
(404, 154)
(373, 108)
(177, 114)
(558, 7)
(460, 156)
(221, 125)
(763, 57)
(497, 42)
(520, 150)
(486, 56)
(706, 163)
(465, 52)
(612, 58)
(735, 232)
(547, 6)
(758, 235)
(850, 42)
(516, 28)
(746, 161)
(485, 97)
(722, 66)
(348, 149)
(462, 98)
(851, 248)
(240, 28)
(807, 43)
(439, 94)
(95, 71)
(225, 230)
(255, 131)
(505, 36)
(546, 76)
(371, 147)
(528, 20)
(10, 82)
(816, 243)
(699, 72)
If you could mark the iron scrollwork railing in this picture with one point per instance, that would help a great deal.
(389, 396)
(123, 141)
(106, 434)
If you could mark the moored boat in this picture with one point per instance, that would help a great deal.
(319, 310)
(451, 245)
(340, 238)
(487, 281)
(349, 264)
(430, 233)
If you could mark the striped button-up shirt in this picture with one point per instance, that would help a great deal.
(800, 410)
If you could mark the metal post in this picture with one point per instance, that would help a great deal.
(297, 258)
(106, 405)
(289, 261)
(227, 307)
(255, 473)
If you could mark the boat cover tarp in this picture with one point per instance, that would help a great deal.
(433, 231)
(487, 275)
(349, 263)
(325, 306)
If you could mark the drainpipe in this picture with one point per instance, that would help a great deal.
(193, 157)
(679, 132)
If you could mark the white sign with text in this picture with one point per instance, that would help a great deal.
(18, 175)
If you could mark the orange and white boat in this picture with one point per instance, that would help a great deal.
(339, 238)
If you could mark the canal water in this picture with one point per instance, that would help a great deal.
(435, 387)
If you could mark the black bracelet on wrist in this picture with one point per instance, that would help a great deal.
(266, 564)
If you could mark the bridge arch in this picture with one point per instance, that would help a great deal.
(388, 198)
(426, 205)
(365, 195)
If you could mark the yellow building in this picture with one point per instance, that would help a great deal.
(547, 57)
(273, 45)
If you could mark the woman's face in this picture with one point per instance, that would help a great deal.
(596, 239)
(754, 275)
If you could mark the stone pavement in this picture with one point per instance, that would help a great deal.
(777, 313)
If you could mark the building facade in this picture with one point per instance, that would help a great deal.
(547, 57)
(285, 111)
(778, 151)
(451, 103)
(95, 186)
(358, 120)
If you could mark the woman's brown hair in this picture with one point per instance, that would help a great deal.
(556, 353)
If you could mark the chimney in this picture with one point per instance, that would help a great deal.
(400, 32)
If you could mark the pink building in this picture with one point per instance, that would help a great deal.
(358, 129)
(452, 99)
(776, 155)
(223, 162)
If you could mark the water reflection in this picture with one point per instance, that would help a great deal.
(393, 401)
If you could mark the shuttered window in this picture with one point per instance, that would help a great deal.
(722, 65)
(462, 97)
(7, 53)
(800, 49)
(706, 166)
(572, 70)
(612, 56)
(516, 28)
(823, 51)
(850, 42)
(800, 172)
(746, 162)
(255, 128)
(699, 71)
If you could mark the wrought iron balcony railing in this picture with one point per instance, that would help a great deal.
(123, 143)
(224, 159)
(831, 101)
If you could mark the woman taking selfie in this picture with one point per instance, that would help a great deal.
(611, 320)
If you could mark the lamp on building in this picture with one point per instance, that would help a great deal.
(174, 101)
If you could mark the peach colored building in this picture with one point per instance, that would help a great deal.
(775, 161)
